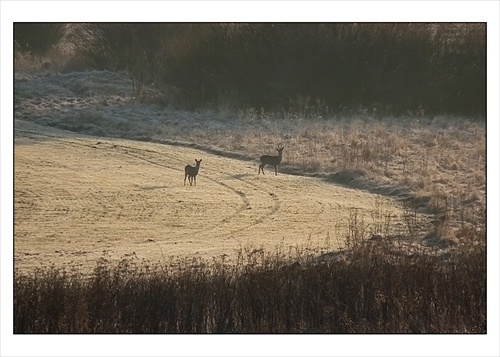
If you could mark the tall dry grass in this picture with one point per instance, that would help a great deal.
(377, 286)
(438, 163)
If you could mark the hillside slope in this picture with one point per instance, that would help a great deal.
(80, 198)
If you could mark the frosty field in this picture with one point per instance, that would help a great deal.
(81, 198)
(98, 174)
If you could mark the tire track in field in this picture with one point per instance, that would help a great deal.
(77, 196)
(57, 207)
(241, 194)
(163, 158)
(89, 206)
(239, 177)
(138, 153)
(275, 208)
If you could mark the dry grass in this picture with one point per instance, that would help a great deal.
(435, 160)
(375, 287)
(391, 284)
(434, 165)
(60, 59)
(440, 162)
(78, 199)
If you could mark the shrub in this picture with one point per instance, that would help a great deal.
(38, 38)
(379, 286)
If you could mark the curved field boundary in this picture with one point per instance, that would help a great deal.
(79, 199)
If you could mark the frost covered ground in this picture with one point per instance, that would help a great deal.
(98, 103)
(100, 175)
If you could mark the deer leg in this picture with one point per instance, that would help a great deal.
(185, 179)
(276, 170)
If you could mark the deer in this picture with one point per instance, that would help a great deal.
(271, 160)
(190, 172)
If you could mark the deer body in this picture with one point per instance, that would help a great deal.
(190, 172)
(271, 160)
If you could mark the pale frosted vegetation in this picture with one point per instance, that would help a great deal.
(439, 162)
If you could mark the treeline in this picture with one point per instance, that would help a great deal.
(387, 68)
